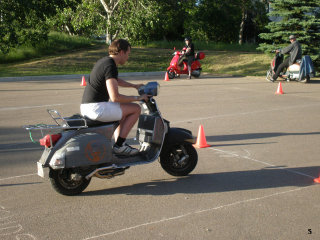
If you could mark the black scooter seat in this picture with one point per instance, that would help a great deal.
(78, 121)
(95, 123)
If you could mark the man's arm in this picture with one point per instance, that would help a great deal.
(123, 83)
(287, 49)
(115, 96)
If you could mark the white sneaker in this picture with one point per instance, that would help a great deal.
(125, 150)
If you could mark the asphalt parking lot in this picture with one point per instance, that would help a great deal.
(256, 181)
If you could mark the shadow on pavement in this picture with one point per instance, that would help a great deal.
(247, 136)
(219, 182)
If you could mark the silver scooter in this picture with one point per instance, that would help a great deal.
(77, 148)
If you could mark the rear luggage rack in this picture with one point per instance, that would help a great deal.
(62, 123)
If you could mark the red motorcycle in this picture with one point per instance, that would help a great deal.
(174, 70)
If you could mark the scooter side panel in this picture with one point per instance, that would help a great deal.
(86, 149)
(174, 62)
(150, 129)
(105, 132)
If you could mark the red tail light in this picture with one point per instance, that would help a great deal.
(47, 142)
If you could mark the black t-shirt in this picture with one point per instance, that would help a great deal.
(191, 53)
(96, 89)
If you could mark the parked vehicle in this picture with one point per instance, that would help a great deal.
(174, 70)
(301, 70)
(77, 148)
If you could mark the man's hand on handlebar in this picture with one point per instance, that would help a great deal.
(137, 86)
(144, 97)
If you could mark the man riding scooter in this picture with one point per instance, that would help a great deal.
(102, 101)
(188, 54)
(295, 51)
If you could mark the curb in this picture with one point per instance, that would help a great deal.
(75, 76)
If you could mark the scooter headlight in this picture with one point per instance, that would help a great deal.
(151, 88)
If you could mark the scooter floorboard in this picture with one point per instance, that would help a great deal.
(121, 160)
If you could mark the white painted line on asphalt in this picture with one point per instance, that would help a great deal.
(255, 160)
(205, 118)
(247, 113)
(195, 212)
(20, 176)
(28, 107)
(20, 149)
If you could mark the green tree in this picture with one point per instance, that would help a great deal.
(81, 17)
(145, 20)
(228, 20)
(299, 17)
(156, 20)
(253, 19)
(137, 20)
(23, 21)
(217, 20)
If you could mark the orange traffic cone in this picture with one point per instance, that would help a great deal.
(83, 82)
(166, 77)
(317, 180)
(279, 90)
(201, 139)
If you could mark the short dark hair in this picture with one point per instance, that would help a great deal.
(117, 45)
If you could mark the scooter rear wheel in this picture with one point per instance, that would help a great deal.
(306, 79)
(179, 160)
(196, 73)
(68, 183)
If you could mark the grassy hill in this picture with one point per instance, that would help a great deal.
(70, 55)
(140, 60)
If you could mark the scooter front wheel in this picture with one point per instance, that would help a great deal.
(269, 75)
(179, 160)
(171, 74)
(66, 182)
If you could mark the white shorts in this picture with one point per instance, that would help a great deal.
(102, 111)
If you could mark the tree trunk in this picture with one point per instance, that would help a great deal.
(244, 16)
(108, 34)
(109, 7)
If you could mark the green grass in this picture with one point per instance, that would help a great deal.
(63, 54)
(56, 43)
(201, 45)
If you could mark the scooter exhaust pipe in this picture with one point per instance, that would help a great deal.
(107, 172)
(113, 166)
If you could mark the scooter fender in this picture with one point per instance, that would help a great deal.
(176, 136)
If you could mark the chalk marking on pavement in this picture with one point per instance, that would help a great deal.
(196, 212)
(12, 228)
(265, 163)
